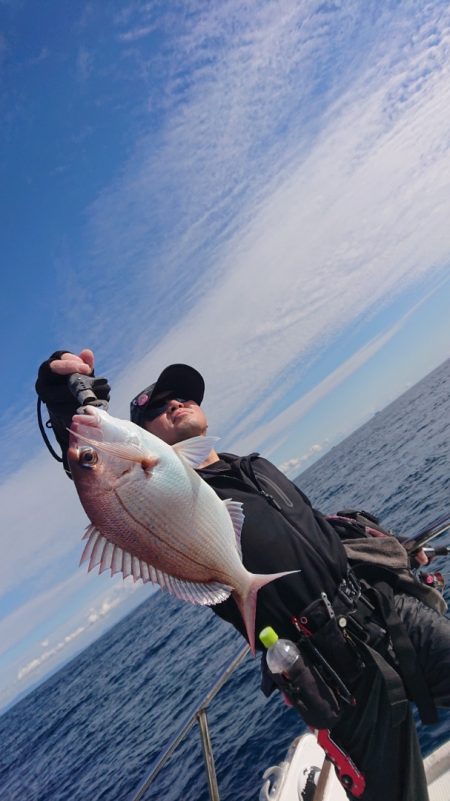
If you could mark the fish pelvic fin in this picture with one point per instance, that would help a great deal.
(195, 450)
(247, 603)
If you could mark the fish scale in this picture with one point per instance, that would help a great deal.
(153, 517)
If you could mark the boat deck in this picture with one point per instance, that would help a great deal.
(305, 775)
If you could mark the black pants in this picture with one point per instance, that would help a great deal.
(389, 754)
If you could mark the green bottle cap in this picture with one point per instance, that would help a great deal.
(268, 636)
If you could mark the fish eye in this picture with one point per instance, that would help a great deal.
(87, 457)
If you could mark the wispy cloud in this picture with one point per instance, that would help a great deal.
(93, 616)
(43, 55)
(4, 47)
(42, 520)
(84, 64)
(137, 33)
(340, 220)
(272, 433)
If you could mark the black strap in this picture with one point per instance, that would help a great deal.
(405, 653)
(393, 684)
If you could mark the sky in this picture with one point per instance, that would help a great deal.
(260, 189)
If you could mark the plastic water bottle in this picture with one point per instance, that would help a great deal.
(301, 686)
(282, 656)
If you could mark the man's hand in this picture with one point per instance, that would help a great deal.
(421, 557)
(70, 363)
(52, 387)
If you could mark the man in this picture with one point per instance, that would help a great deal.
(283, 532)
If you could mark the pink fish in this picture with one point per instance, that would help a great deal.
(154, 518)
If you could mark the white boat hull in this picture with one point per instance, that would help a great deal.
(305, 776)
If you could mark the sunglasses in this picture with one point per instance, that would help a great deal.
(155, 411)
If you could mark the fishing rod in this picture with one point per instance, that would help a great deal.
(444, 550)
(427, 533)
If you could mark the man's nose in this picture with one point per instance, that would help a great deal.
(175, 404)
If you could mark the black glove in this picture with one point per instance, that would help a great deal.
(53, 390)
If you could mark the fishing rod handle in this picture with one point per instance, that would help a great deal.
(443, 550)
(81, 387)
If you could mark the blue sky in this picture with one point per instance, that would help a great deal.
(259, 189)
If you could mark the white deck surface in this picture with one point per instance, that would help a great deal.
(437, 769)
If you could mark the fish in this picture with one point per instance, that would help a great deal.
(154, 518)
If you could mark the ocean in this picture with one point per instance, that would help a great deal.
(93, 730)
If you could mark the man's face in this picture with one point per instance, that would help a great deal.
(178, 421)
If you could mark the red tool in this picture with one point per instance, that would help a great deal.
(349, 775)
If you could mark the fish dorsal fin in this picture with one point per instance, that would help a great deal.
(236, 512)
(195, 450)
(104, 553)
(94, 547)
(88, 531)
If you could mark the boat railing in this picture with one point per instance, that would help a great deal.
(197, 716)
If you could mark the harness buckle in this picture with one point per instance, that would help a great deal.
(349, 590)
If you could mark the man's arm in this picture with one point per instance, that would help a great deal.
(53, 390)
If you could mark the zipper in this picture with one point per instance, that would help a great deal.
(268, 481)
(270, 499)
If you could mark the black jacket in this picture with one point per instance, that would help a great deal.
(281, 531)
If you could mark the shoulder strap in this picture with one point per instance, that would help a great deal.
(409, 665)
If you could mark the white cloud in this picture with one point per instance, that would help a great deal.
(293, 465)
(36, 663)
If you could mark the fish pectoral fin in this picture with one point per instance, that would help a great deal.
(195, 450)
(126, 450)
(236, 512)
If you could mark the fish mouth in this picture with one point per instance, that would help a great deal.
(72, 453)
(89, 417)
(83, 428)
(88, 422)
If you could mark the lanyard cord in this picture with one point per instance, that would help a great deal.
(44, 433)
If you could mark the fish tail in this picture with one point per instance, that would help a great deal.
(247, 602)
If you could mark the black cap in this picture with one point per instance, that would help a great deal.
(176, 380)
